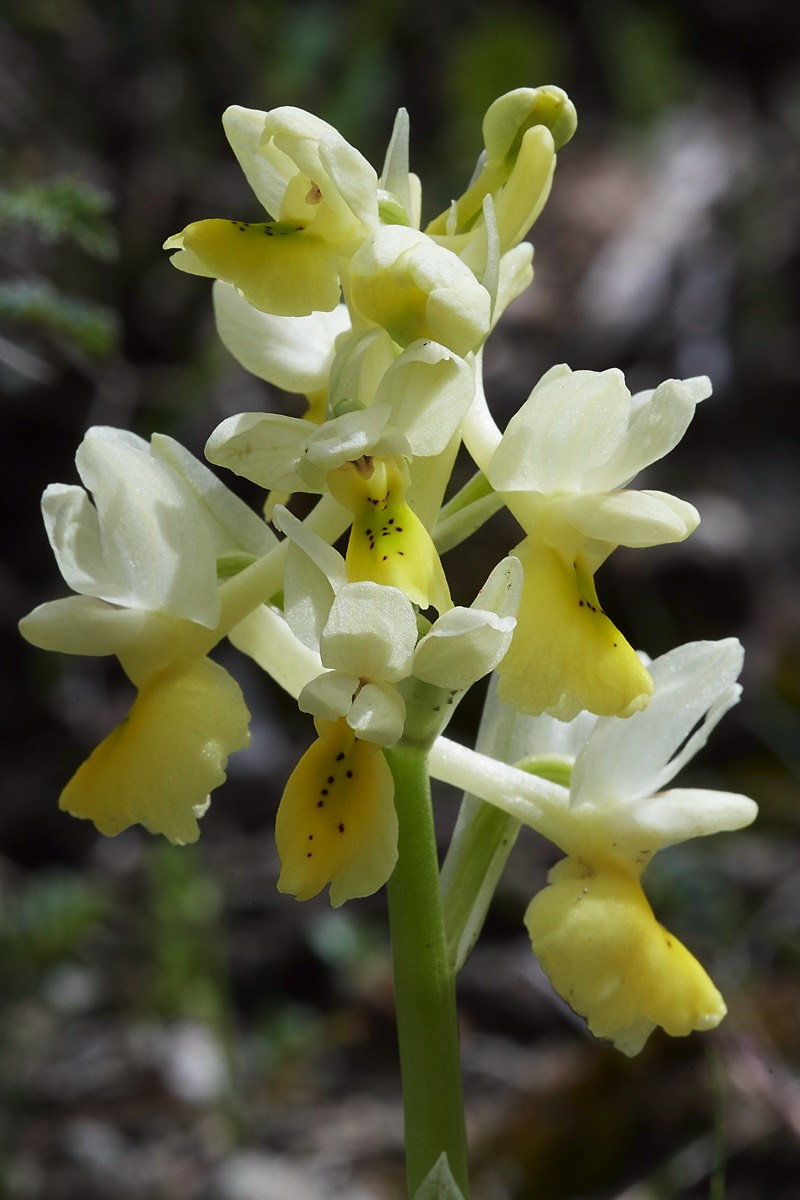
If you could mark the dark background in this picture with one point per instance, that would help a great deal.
(172, 1028)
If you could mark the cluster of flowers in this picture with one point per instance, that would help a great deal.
(342, 298)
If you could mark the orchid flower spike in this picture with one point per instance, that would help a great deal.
(561, 467)
(141, 597)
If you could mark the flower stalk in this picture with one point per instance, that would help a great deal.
(424, 984)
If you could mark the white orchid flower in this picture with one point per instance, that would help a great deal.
(322, 195)
(144, 599)
(592, 926)
(562, 466)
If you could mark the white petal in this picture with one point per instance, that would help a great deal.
(146, 516)
(502, 591)
(353, 177)
(395, 174)
(329, 695)
(659, 420)
(347, 438)
(347, 181)
(378, 714)
(429, 389)
(84, 625)
(509, 735)
(293, 353)
(516, 274)
(371, 632)
(244, 129)
(307, 596)
(73, 530)
(264, 447)
(571, 422)
(630, 518)
(329, 561)
(461, 647)
(683, 813)
(362, 359)
(236, 526)
(631, 759)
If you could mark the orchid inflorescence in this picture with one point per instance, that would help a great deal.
(338, 295)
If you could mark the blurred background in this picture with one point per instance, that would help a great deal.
(170, 1027)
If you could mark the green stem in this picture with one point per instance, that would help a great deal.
(424, 984)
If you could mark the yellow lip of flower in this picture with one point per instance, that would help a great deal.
(280, 267)
(336, 822)
(566, 655)
(158, 766)
(599, 943)
(388, 542)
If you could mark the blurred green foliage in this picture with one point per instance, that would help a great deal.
(181, 933)
(38, 304)
(63, 210)
(47, 922)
